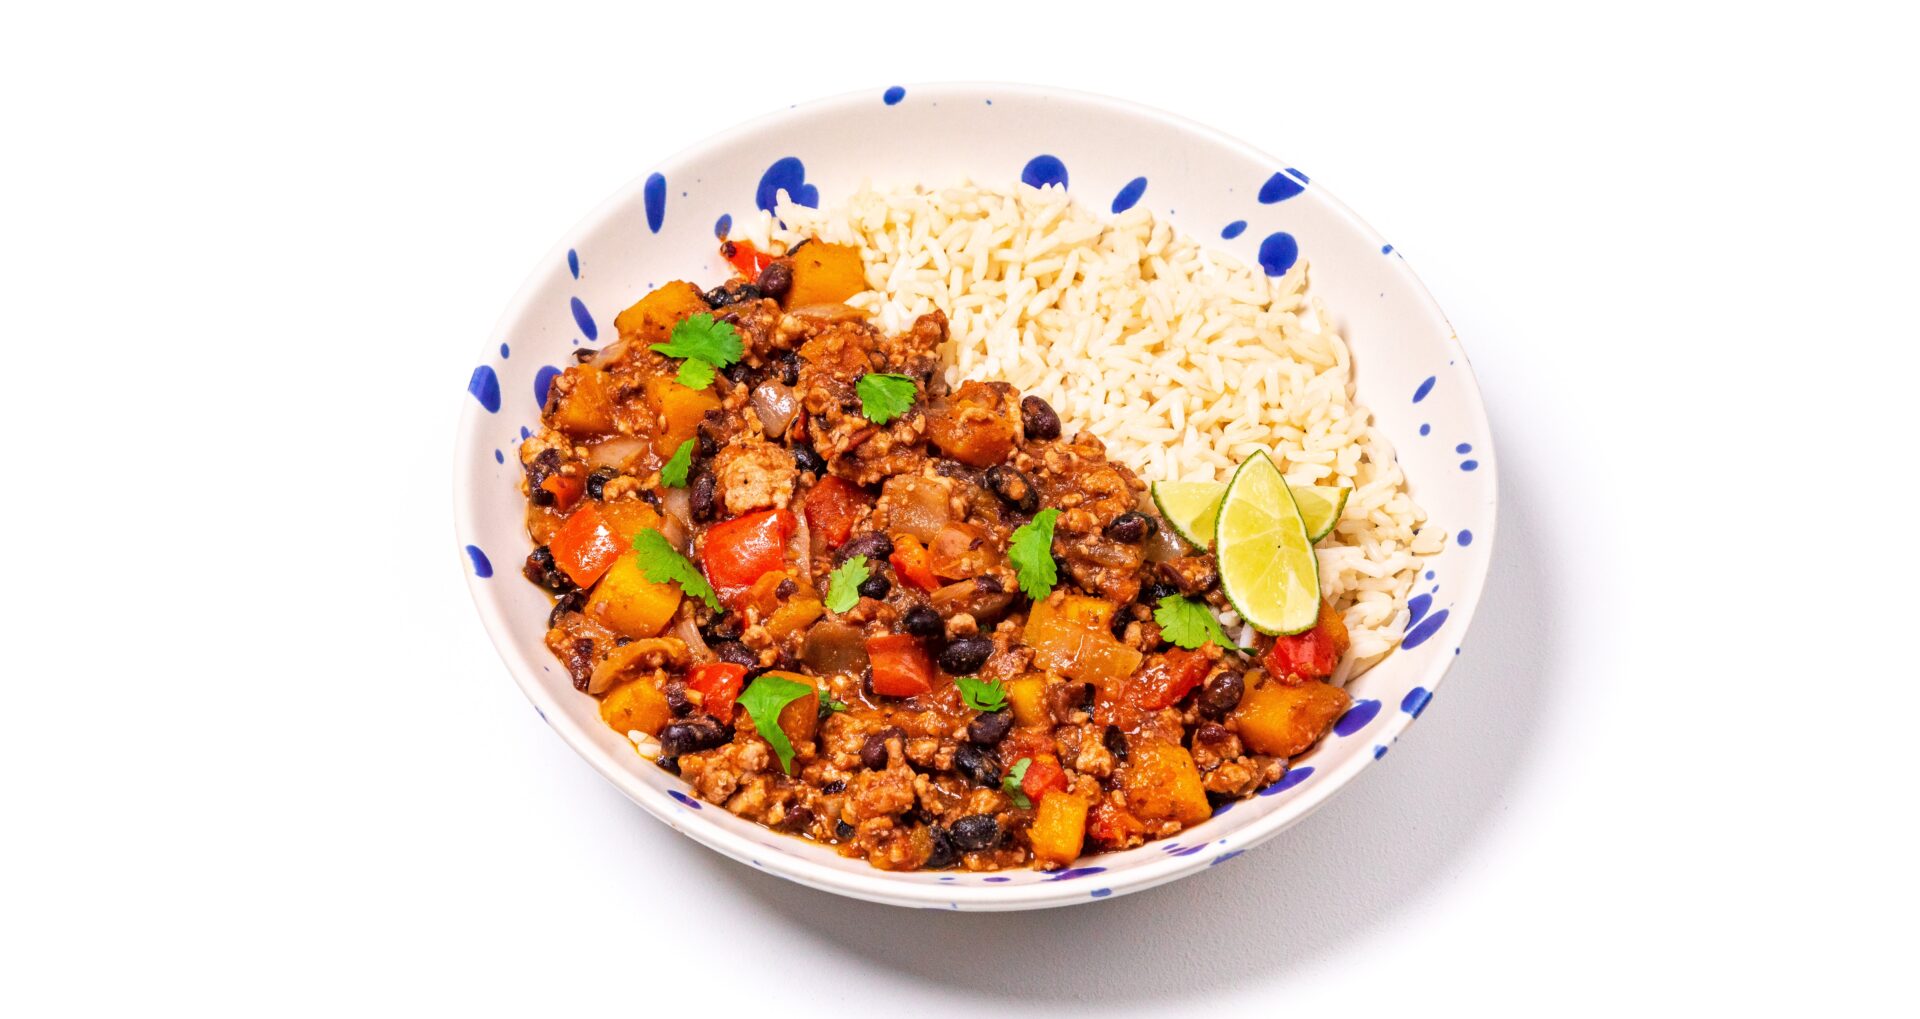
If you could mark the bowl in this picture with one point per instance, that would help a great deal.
(1410, 370)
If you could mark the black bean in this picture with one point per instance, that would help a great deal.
(797, 819)
(785, 588)
(804, 458)
(955, 469)
(700, 495)
(1150, 594)
(1222, 694)
(677, 702)
(1132, 528)
(873, 753)
(775, 280)
(541, 569)
(737, 653)
(584, 354)
(1116, 742)
(990, 728)
(1038, 417)
(787, 364)
(740, 373)
(691, 736)
(571, 601)
(1121, 620)
(963, 656)
(721, 628)
(987, 583)
(842, 830)
(874, 545)
(875, 587)
(540, 497)
(978, 766)
(976, 832)
(922, 621)
(1013, 487)
(730, 293)
(597, 482)
(580, 663)
(834, 788)
(944, 854)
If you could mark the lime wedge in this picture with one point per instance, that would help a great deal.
(1267, 569)
(1193, 507)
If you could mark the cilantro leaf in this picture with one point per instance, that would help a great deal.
(981, 694)
(763, 698)
(705, 343)
(1189, 623)
(843, 585)
(828, 705)
(1031, 551)
(661, 563)
(884, 397)
(1011, 784)
(674, 474)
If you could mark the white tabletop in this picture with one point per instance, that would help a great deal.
(260, 758)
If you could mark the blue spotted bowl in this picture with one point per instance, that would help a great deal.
(1111, 155)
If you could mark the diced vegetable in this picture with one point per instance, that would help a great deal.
(959, 551)
(833, 506)
(1027, 696)
(635, 705)
(912, 564)
(1063, 641)
(1111, 826)
(1162, 783)
(679, 409)
(1043, 776)
(651, 319)
(794, 615)
(627, 603)
(801, 717)
(740, 551)
(717, 683)
(1059, 828)
(1313, 654)
(901, 665)
(916, 506)
(635, 659)
(565, 490)
(835, 649)
(585, 409)
(1284, 720)
(1167, 678)
(825, 274)
(596, 534)
(977, 425)
(745, 258)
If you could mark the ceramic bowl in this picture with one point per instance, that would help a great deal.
(1410, 370)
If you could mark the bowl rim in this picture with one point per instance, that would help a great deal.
(884, 886)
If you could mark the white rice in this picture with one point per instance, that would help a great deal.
(1182, 360)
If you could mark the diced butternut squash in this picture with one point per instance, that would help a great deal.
(1162, 783)
(626, 602)
(978, 424)
(1059, 827)
(825, 274)
(1281, 720)
(1027, 696)
(795, 614)
(635, 704)
(1072, 639)
(651, 320)
(800, 719)
(1087, 611)
(679, 409)
(584, 406)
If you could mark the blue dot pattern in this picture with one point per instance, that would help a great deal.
(1464, 447)
(893, 95)
(1427, 628)
(481, 567)
(654, 192)
(1224, 857)
(1287, 781)
(1074, 872)
(1043, 170)
(1129, 196)
(1469, 465)
(687, 801)
(485, 387)
(1278, 253)
(542, 382)
(1426, 429)
(1465, 538)
(790, 175)
(1356, 717)
(499, 457)
(723, 226)
(585, 321)
(1416, 701)
(1302, 176)
(1379, 751)
(1417, 608)
(1101, 893)
(1279, 188)
(505, 351)
(1234, 229)
(573, 262)
(1386, 249)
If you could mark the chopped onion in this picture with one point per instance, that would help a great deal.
(616, 452)
(1164, 544)
(800, 546)
(829, 312)
(690, 634)
(676, 503)
(776, 405)
(918, 506)
(610, 353)
(835, 649)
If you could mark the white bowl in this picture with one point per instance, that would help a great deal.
(1410, 370)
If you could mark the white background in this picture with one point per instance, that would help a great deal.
(259, 758)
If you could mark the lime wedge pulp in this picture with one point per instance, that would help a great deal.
(1267, 567)
(1193, 507)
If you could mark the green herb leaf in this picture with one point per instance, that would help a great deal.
(706, 343)
(662, 564)
(763, 698)
(843, 584)
(674, 474)
(1011, 784)
(830, 705)
(1031, 551)
(884, 397)
(981, 694)
(1189, 623)
(695, 374)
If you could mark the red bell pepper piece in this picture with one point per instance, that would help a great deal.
(1167, 678)
(833, 506)
(585, 545)
(745, 258)
(565, 490)
(912, 564)
(1044, 775)
(717, 683)
(740, 551)
(901, 665)
(1309, 655)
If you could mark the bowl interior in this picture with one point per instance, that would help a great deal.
(1410, 371)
